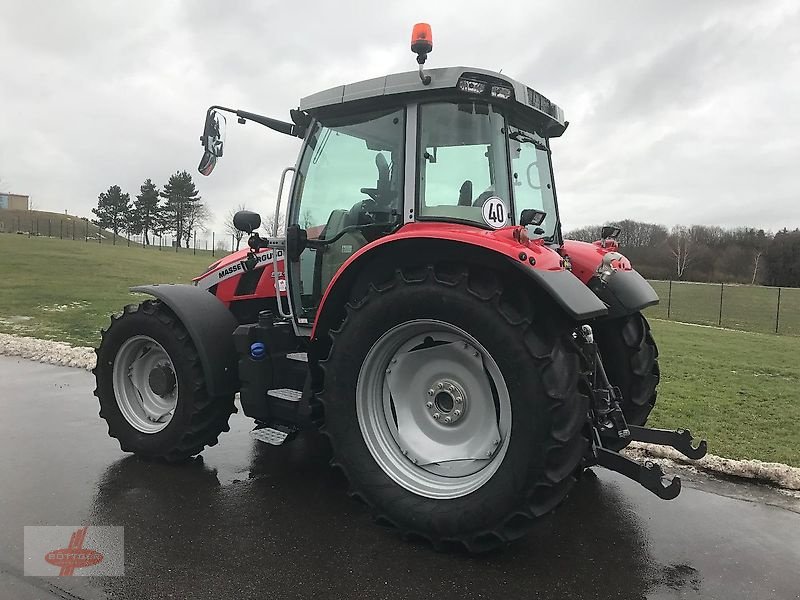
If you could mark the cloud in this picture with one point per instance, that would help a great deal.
(680, 112)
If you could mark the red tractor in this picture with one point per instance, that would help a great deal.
(419, 307)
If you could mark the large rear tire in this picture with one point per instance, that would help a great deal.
(429, 343)
(630, 357)
(151, 387)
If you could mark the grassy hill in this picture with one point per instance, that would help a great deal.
(65, 290)
(49, 224)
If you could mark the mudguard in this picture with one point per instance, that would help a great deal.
(451, 241)
(210, 325)
(569, 293)
(625, 292)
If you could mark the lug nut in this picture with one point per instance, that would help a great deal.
(495, 442)
(447, 419)
(457, 413)
(475, 354)
(436, 416)
(440, 385)
(430, 392)
(459, 399)
(488, 453)
(429, 404)
(450, 388)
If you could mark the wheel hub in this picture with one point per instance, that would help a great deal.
(446, 401)
(162, 380)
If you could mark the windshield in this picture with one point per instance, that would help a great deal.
(531, 177)
(465, 151)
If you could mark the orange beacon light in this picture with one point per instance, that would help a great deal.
(421, 45)
(422, 40)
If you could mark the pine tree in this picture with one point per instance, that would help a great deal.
(146, 214)
(181, 199)
(112, 210)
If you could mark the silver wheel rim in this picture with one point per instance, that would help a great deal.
(143, 407)
(434, 409)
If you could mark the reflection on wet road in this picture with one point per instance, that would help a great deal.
(247, 520)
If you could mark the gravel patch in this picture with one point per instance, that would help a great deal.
(46, 351)
(777, 474)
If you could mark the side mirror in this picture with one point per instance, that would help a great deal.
(532, 216)
(213, 140)
(247, 221)
(609, 232)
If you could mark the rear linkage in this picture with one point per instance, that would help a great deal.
(608, 423)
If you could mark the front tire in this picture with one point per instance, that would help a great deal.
(630, 357)
(151, 387)
(478, 482)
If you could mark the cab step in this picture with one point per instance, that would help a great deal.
(286, 394)
(274, 435)
(298, 356)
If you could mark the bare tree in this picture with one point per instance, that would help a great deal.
(196, 217)
(269, 222)
(306, 219)
(681, 245)
(231, 228)
(756, 260)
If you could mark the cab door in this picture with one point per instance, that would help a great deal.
(347, 192)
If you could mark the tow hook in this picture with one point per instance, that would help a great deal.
(608, 422)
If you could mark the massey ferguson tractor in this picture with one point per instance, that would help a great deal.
(419, 307)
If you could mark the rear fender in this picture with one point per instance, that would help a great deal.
(490, 249)
(210, 325)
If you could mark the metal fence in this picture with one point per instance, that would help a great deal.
(83, 230)
(735, 306)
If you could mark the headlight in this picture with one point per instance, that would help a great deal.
(503, 93)
(472, 87)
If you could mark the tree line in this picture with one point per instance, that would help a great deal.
(707, 253)
(175, 208)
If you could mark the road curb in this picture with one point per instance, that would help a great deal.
(47, 351)
(777, 474)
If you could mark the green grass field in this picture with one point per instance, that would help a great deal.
(738, 389)
(65, 290)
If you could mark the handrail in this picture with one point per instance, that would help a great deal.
(278, 203)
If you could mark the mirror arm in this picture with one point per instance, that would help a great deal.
(274, 124)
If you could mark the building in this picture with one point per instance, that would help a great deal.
(14, 201)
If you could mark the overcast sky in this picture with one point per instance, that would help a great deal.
(680, 111)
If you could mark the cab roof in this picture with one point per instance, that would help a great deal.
(444, 82)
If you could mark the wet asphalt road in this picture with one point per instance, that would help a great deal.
(247, 520)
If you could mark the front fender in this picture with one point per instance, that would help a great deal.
(625, 292)
(210, 325)
(610, 276)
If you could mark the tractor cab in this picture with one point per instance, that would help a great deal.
(457, 145)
